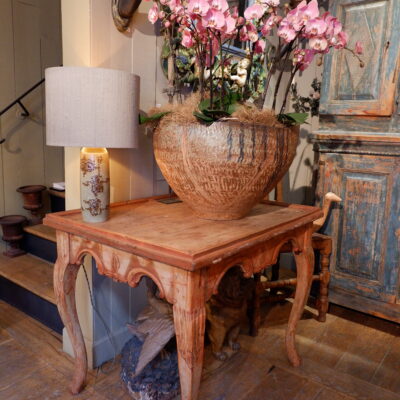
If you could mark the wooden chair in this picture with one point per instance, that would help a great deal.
(321, 244)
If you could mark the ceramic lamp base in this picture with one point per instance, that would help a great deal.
(95, 184)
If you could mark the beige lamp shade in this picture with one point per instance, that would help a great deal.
(92, 107)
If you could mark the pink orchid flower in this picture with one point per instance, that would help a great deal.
(235, 12)
(272, 21)
(187, 39)
(340, 40)
(311, 11)
(315, 27)
(153, 14)
(219, 5)
(265, 30)
(259, 46)
(286, 31)
(176, 7)
(214, 19)
(230, 26)
(256, 11)
(241, 21)
(333, 25)
(243, 36)
(303, 58)
(358, 48)
(252, 32)
(319, 44)
(199, 7)
(299, 16)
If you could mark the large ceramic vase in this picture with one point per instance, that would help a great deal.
(221, 171)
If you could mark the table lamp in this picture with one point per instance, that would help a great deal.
(92, 108)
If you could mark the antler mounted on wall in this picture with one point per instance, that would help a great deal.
(122, 12)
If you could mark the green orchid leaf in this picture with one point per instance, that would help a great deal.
(212, 113)
(300, 118)
(204, 104)
(154, 117)
(231, 109)
(166, 51)
(293, 118)
(203, 118)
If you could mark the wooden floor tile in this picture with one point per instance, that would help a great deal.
(350, 357)
(44, 383)
(282, 385)
(387, 374)
(16, 364)
(235, 379)
(327, 394)
(363, 357)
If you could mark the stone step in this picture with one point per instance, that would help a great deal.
(31, 273)
(26, 282)
(42, 231)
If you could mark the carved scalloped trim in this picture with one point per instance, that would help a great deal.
(249, 265)
(136, 274)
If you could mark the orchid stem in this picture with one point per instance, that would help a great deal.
(278, 82)
(287, 89)
(211, 76)
(221, 63)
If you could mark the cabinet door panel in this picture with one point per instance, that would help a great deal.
(349, 89)
(362, 227)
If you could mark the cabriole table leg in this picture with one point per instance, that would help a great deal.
(64, 287)
(305, 266)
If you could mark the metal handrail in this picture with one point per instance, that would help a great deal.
(19, 102)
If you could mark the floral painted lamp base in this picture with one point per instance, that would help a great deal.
(95, 184)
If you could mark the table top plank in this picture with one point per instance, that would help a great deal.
(171, 231)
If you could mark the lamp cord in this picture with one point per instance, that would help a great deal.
(101, 368)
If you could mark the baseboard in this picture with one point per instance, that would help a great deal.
(103, 349)
(390, 311)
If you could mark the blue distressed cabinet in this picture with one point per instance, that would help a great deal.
(357, 151)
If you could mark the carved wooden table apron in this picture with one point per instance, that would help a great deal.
(186, 257)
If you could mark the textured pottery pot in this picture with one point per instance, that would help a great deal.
(12, 226)
(223, 170)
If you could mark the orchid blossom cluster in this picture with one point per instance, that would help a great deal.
(208, 27)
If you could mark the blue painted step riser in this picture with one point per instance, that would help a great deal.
(40, 247)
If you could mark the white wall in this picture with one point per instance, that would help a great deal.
(30, 40)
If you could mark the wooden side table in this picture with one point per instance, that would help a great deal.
(186, 257)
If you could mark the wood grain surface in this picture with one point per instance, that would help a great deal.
(171, 233)
(335, 365)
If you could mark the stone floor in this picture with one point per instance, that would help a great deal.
(351, 356)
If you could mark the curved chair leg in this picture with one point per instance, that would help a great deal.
(322, 301)
(305, 267)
